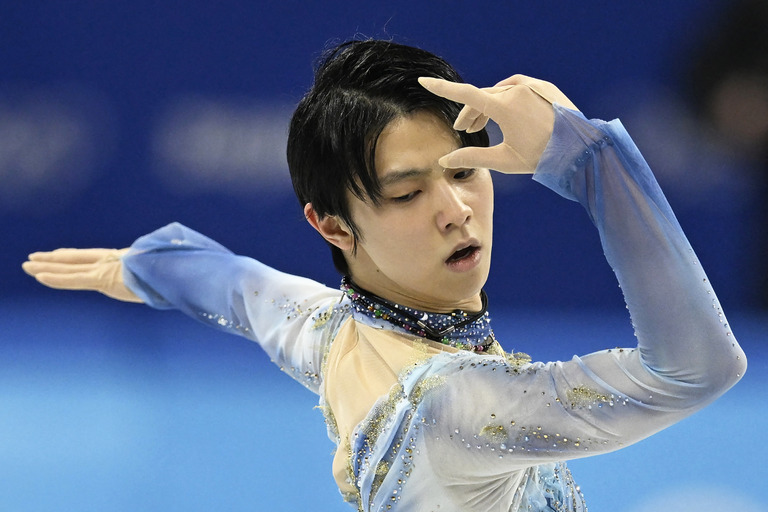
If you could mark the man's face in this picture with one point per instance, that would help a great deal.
(428, 243)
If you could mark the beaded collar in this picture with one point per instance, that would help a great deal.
(459, 329)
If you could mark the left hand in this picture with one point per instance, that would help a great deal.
(520, 105)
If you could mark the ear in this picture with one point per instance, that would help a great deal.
(330, 227)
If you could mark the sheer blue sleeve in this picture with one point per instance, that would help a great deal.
(680, 326)
(686, 355)
(291, 317)
(489, 425)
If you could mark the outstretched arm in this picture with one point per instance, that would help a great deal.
(291, 317)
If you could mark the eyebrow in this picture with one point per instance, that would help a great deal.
(397, 176)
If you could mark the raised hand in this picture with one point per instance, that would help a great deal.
(520, 105)
(98, 270)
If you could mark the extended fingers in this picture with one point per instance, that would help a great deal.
(78, 281)
(476, 112)
(69, 276)
(462, 93)
(478, 99)
(468, 157)
(98, 276)
(470, 120)
(81, 269)
(500, 158)
(76, 269)
(34, 268)
(77, 256)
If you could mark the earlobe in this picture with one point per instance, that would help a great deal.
(330, 227)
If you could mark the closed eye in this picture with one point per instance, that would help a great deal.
(407, 197)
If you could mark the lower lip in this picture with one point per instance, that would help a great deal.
(466, 263)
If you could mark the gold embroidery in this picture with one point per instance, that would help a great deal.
(496, 433)
(381, 472)
(583, 396)
(322, 318)
(425, 385)
(518, 359)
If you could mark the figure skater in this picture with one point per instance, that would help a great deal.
(427, 410)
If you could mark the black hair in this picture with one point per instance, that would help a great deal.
(359, 88)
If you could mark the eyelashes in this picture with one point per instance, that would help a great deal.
(407, 197)
(463, 174)
(459, 175)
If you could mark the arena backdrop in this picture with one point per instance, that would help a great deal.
(119, 117)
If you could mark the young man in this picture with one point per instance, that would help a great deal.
(427, 410)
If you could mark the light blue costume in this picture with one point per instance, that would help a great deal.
(464, 431)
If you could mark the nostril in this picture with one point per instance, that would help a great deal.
(452, 209)
(456, 221)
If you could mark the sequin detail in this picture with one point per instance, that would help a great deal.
(584, 397)
(459, 329)
(389, 415)
(292, 310)
(549, 488)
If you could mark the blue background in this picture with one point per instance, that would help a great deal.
(104, 108)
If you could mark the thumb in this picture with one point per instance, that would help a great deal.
(497, 157)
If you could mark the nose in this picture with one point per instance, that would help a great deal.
(452, 209)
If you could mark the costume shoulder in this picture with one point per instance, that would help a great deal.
(176, 267)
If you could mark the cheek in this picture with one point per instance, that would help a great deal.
(404, 237)
(399, 244)
(483, 198)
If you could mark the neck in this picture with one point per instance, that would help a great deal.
(396, 294)
(460, 329)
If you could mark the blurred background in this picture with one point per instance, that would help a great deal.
(119, 117)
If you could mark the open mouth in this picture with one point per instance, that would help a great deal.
(462, 254)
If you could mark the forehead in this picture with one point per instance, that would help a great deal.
(413, 142)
